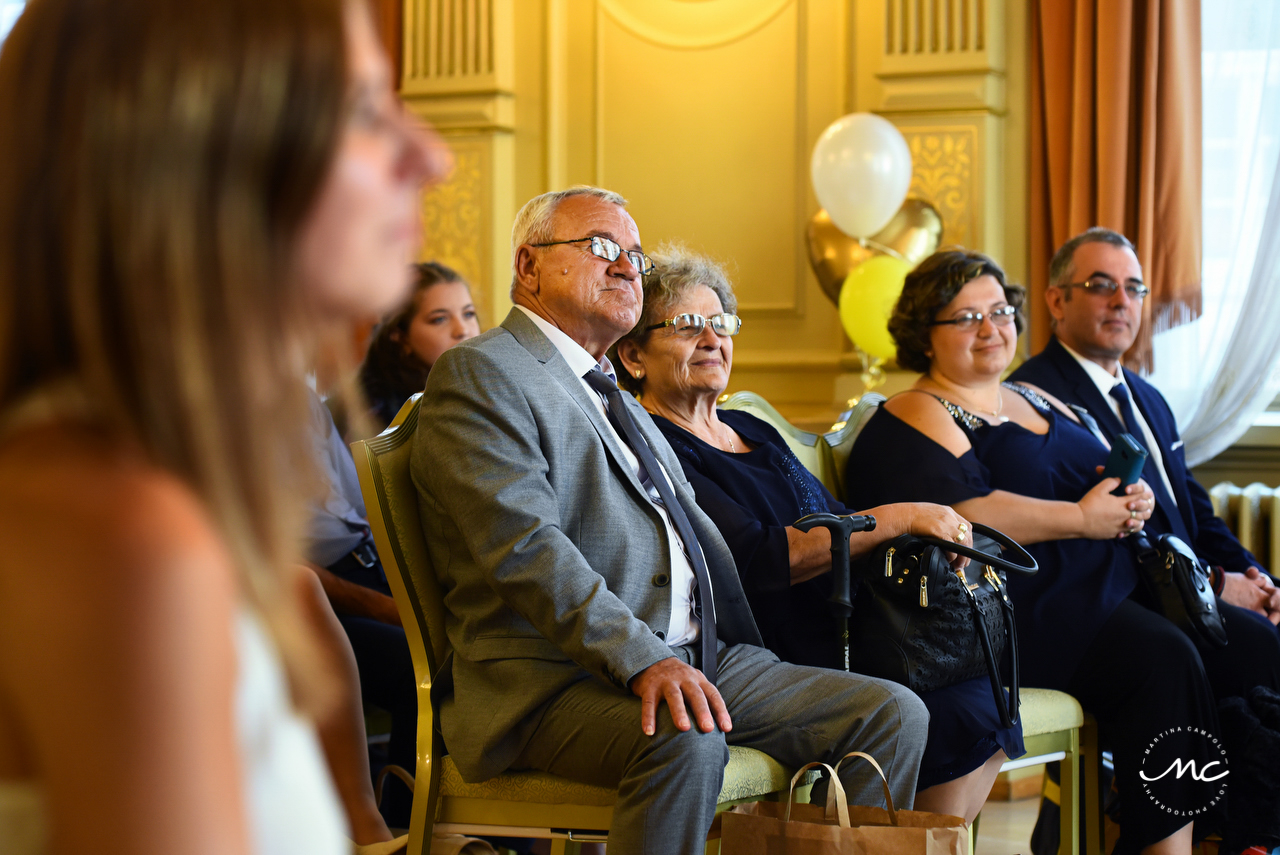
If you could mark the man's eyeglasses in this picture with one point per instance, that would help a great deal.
(970, 321)
(692, 324)
(1105, 286)
(603, 247)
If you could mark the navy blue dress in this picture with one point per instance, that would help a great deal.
(894, 462)
(1078, 628)
(752, 497)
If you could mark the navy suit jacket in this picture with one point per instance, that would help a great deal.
(1057, 372)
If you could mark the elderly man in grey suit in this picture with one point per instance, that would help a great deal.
(584, 587)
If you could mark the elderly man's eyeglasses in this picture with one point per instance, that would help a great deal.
(603, 247)
(970, 321)
(691, 324)
(1105, 286)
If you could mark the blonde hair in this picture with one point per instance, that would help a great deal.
(159, 159)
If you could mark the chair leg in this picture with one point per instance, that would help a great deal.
(1094, 842)
(1068, 842)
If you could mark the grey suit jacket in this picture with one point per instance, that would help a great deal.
(554, 563)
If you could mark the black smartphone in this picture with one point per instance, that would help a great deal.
(1126, 462)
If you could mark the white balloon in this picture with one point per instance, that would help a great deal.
(861, 171)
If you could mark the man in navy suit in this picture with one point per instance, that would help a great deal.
(1095, 296)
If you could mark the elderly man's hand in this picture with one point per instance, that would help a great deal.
(1252, 590)
(678, 684)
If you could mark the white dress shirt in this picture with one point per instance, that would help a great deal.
(1106, 381)
(684, 627)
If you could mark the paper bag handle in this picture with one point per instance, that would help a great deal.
(834, 791)
(842, 804)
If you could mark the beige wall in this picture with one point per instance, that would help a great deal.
(704, 114)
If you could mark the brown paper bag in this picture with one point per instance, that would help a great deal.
(774, 828)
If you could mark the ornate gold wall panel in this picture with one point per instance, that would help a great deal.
(458, 74)
(704, 113)
(943, 172)
(940, 70)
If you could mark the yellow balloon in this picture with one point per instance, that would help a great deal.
(867, 299)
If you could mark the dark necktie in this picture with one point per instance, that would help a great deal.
(1121, 393)
(622, 420)
(1167, 518)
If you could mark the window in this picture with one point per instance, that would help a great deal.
(9, 12)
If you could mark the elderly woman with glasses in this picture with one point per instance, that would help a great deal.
(1015, 458)
(677, 361)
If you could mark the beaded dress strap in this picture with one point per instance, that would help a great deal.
(962, 416)
(1034, 399)
(973, 422)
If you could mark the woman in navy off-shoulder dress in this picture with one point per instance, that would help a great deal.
(1013, 458)
(753, 488)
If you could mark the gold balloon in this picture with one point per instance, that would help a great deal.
(912, 235)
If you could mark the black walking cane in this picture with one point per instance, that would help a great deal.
(841, 598)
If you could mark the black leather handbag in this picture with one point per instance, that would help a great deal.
(1181, 586)
(919, 622)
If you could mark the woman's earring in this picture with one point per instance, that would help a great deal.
(639, 375)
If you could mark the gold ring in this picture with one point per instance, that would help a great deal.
(1133, 515)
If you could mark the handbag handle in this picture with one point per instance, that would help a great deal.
(841, 597)
(1027, 568)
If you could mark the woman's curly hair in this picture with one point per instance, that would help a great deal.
(929, 288)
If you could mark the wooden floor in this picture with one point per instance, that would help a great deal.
(1005, 827)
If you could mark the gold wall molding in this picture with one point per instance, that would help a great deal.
(943, 173)
(459, 62)
(693, 25)
(704, 113)
(951, 74)
(458, 74)
(451, 218)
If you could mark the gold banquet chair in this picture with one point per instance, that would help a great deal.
(841, 437)
(809, 448)
(1054, 726)
(516, 804)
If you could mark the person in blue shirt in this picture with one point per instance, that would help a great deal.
(340, 550)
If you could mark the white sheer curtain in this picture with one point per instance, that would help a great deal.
(1220, 371)
(9, 11)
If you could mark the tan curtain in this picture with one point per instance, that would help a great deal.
(389, 17)
(1116, 142)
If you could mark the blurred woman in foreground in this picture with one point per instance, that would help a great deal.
(188, 193)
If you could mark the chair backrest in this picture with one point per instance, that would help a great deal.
(391, 502)
(842, 438)
(809, 448)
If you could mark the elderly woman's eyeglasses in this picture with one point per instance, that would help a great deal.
(1105, 286)
(603, 247)
(970, 321)
(693, 324)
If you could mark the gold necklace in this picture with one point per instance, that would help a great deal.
(733, 449)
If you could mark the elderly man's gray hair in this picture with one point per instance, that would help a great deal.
(535, 223)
